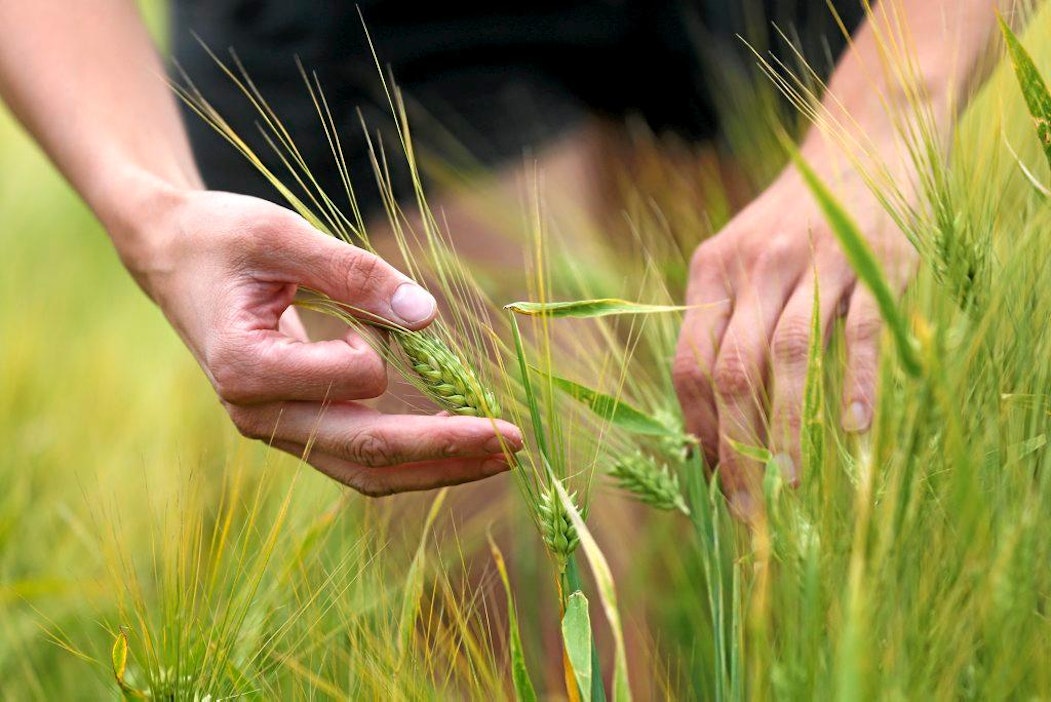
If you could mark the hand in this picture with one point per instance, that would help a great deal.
(742, 353)
(225, 268)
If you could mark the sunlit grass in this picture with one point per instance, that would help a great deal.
(914, 562)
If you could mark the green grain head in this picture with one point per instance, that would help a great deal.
(446, 379)
(558, 532)
(639, 475)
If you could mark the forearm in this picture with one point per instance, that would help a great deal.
(910, 57)
(86, 81)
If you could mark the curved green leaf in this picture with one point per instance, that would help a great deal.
(576, 635)
(585, 309)
(616, 412)
(1034, 90)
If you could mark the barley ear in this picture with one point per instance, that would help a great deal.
(445, 378)
(649, 483)
(556, 529)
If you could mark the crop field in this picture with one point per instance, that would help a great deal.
(148, 551)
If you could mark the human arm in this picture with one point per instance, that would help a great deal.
(741, 362)
(85, 80)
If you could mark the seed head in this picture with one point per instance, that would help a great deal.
(558, 532)
(446, 378)
(654, 485)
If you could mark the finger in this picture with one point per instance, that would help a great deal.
(378, 482)
(257, 366)
(738, 377)
(862, 332)
(790, 350)
(709, 295)
(351, 275)
(291, 325)
(363, 436)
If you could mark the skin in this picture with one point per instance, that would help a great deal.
(740, 366)
(223, 268)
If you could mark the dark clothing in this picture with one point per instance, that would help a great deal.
(497, 78)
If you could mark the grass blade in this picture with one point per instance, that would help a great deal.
(1034, 90)
(756, 453)
(864, 263)
(586, 309)
(576, 635)
(523, 684)
(616, 412)
(813, 432)
(410, 606)
(527, 388)
(1039, 187)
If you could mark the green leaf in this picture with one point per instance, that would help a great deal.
(119, 655)
(523, 684)
(585, 309)
(576, 634)
(616, 412)
(606, 589)
(864, 263)
(1034, 90)
(414, 581)
(756, 453)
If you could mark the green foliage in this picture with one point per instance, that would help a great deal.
(576, 636)
(1034, 89)
(616, 411)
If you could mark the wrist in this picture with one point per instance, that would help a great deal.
(138, 213)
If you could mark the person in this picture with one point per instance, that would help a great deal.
(223, 266)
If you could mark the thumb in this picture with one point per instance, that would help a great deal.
(356, 277)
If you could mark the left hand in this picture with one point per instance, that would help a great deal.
(741, 363)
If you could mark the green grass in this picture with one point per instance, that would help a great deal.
(913, 563)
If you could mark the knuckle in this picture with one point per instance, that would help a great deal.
(370, 448)
(791, 342)
(248, 422)
(233, 381)
(362, 272)
(709, 254)
(864, 329)
(773, 253)
(686, 372)
(731, 375)
(371, 372)
(371, 484)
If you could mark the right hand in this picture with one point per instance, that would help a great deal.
(224, 268)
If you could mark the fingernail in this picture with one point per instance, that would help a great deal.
(856, 419)
(788, 468)
(742, 505)
(507, 440)
(412, 304)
